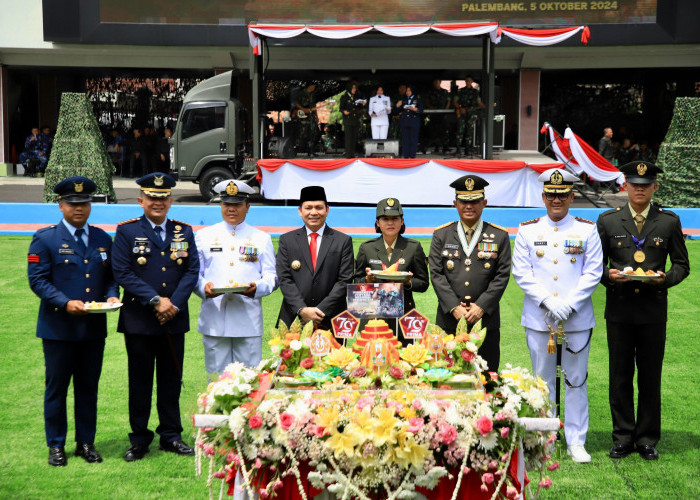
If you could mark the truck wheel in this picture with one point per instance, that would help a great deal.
(210, 179)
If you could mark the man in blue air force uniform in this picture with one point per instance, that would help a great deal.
(69, 265)
(155, 261)
(558, 262)
(233, 252)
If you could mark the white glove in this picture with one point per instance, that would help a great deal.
(558, 309)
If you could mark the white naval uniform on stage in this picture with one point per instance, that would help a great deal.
(380, 106)
(232, 324)
(561, 259)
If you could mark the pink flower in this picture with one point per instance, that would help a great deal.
(208, 450)
(319, 431)
(484, 488)
(504, 432)
(307, 341)
(286, 353)
(358, 372)
(258, 463)
(500, 416)
(286, 420)
(345, 398)
(493, 464)
(364, 402)
(484, 425)
(255, 421)
(467, 356)
(474, 337)
(273, 468)
(511, 492)
(415, 424)
(200, 444)
(553, 466)
(545, 483)
(396, 372)
(263, 493)
(231, 457)
(219, 474)
(487, 478)
(394, 404)
(236, 460)
(307, 363)
(417, 405)
(277, 485)
(447, 433)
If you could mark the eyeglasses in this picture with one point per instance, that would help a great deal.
(552, 196)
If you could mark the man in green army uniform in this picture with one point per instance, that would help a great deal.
(467, 103)
(470, 267)
(438, 99)
(642, 235)
(395, 125)
(304, 114)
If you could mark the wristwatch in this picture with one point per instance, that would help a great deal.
(154, 301)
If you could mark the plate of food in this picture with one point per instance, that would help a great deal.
(102, 307)
(639, 274)
(234, 288)
(391, 273)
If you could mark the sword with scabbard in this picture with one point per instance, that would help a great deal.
(555, 346)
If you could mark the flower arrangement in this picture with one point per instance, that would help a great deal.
(385, 442)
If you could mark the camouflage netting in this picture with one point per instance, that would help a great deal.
(679, 156)
(78, 148)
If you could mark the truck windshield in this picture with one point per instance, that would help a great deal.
(197, 120)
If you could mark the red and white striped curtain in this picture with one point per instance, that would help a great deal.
(542, 37)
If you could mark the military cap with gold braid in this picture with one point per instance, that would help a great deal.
(233, 191)
(76, 189)
(156, 185)
(640, 172)
(557, 180)
(469, 188)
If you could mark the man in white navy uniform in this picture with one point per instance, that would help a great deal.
(233, 252)
(558, 262)
(379, 110)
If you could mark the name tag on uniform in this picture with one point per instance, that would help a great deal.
(620, 236)
(66, 251)
(375, 261)
(216, 249)
(103, 255)
(540, 243)
(452, 246)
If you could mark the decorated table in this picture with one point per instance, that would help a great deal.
(378, 420)
(418, 181)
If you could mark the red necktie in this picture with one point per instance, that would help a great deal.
(312, 246)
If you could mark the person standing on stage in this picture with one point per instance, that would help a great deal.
(467, 103)
(155, 261)
(391, 248)
(411, 114)
(470, 267)
(306, 119)
(233, 253)
(642, 235)
(558, 261)
(314, 264)
(439, 100)
(68, 266)
(352, 108)
(379, 110)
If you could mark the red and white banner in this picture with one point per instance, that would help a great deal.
(597, 167)
(413, 181)
(561, 149)
(537, 37)
(543, 37)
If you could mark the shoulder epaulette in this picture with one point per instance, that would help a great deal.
(180, 222)
(531, 221)
(128, 221)
(497, 226)
(580, 219)
(445, 225)
(45, 228)
(611, 211)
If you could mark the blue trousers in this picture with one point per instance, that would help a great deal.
(410, 129)
(81, 361)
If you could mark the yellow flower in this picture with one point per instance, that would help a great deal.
(409, 452)
(415, 354)
(407, 413)
(340, 357)
(447, 338)
(343, 442)
(363, 421)
(327, 417)
(384, 424)
(274, 341)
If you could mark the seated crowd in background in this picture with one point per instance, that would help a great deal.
(139, 152)
(37, 149)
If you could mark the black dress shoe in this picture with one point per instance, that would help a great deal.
(57, 457)
(647, 452)
(620, 451)
(178, 447)
(88, 452)
(135, 452)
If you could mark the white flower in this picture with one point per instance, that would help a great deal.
(489, 441)
(471, 347)
(237, 421)
(275, 349)
(534, 398)
(452, 415)
(451, 345)
(295, 345)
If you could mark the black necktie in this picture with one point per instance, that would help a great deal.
(79, 239)
(159, 232)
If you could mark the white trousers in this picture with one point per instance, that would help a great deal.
(379, 130)
(575, 366)
(220, 351)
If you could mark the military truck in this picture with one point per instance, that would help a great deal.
(209, 141)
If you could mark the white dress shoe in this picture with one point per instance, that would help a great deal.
(578, 454)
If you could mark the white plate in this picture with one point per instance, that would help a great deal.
(230, 289)
(398, 275)
(102, 307)
(639, 277)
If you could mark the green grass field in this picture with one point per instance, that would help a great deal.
(25, 474)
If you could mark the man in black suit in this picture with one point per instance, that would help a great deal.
(314, 264)
(638, 235)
